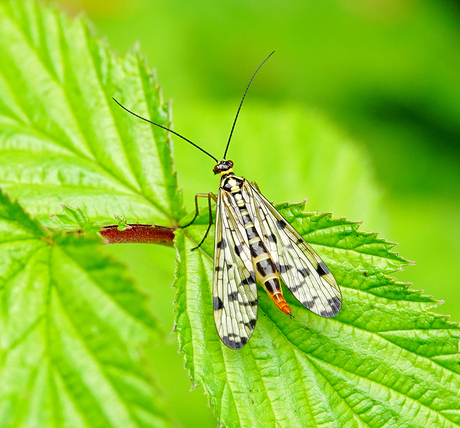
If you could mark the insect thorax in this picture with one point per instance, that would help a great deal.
(230, 182)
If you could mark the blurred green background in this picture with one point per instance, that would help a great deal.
(381, 76)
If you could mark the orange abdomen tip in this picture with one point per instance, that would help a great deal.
(282, 304)
(286, 309)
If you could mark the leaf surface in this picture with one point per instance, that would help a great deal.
(385, 360)
(63, 140)
(71, 330)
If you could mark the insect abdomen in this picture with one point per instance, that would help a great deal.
(267, 274)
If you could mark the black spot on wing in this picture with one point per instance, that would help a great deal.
(217, 303)
(296, 288)
(238, 249)
(218, 269)
(248, 281)
(284, 268)
(281, 224)
(233, 296)
(299, 241)
(304, 272)
(271, 238)
(322, 269)
(251, 303)
(222, 244)
(335, 305)
(310, 303)
(251, 324)
(234, 342)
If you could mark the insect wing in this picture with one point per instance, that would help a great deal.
(234, 283)
(301, 269)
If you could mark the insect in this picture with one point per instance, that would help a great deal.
(253, 245)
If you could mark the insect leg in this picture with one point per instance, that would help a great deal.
(198, 195)
(213, 197)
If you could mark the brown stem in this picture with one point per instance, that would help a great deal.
(139, 233)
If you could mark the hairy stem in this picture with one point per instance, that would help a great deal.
(139, 233)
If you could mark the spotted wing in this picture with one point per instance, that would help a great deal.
(234, 281)
(301, 269)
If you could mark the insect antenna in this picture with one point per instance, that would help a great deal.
(167, 129)
(241, 103)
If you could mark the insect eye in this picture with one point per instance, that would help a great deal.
(230, 163)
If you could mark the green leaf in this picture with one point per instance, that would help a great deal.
(63, 140)
(121, 223)
(71, 330)
(74, 219)
(385, 360)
